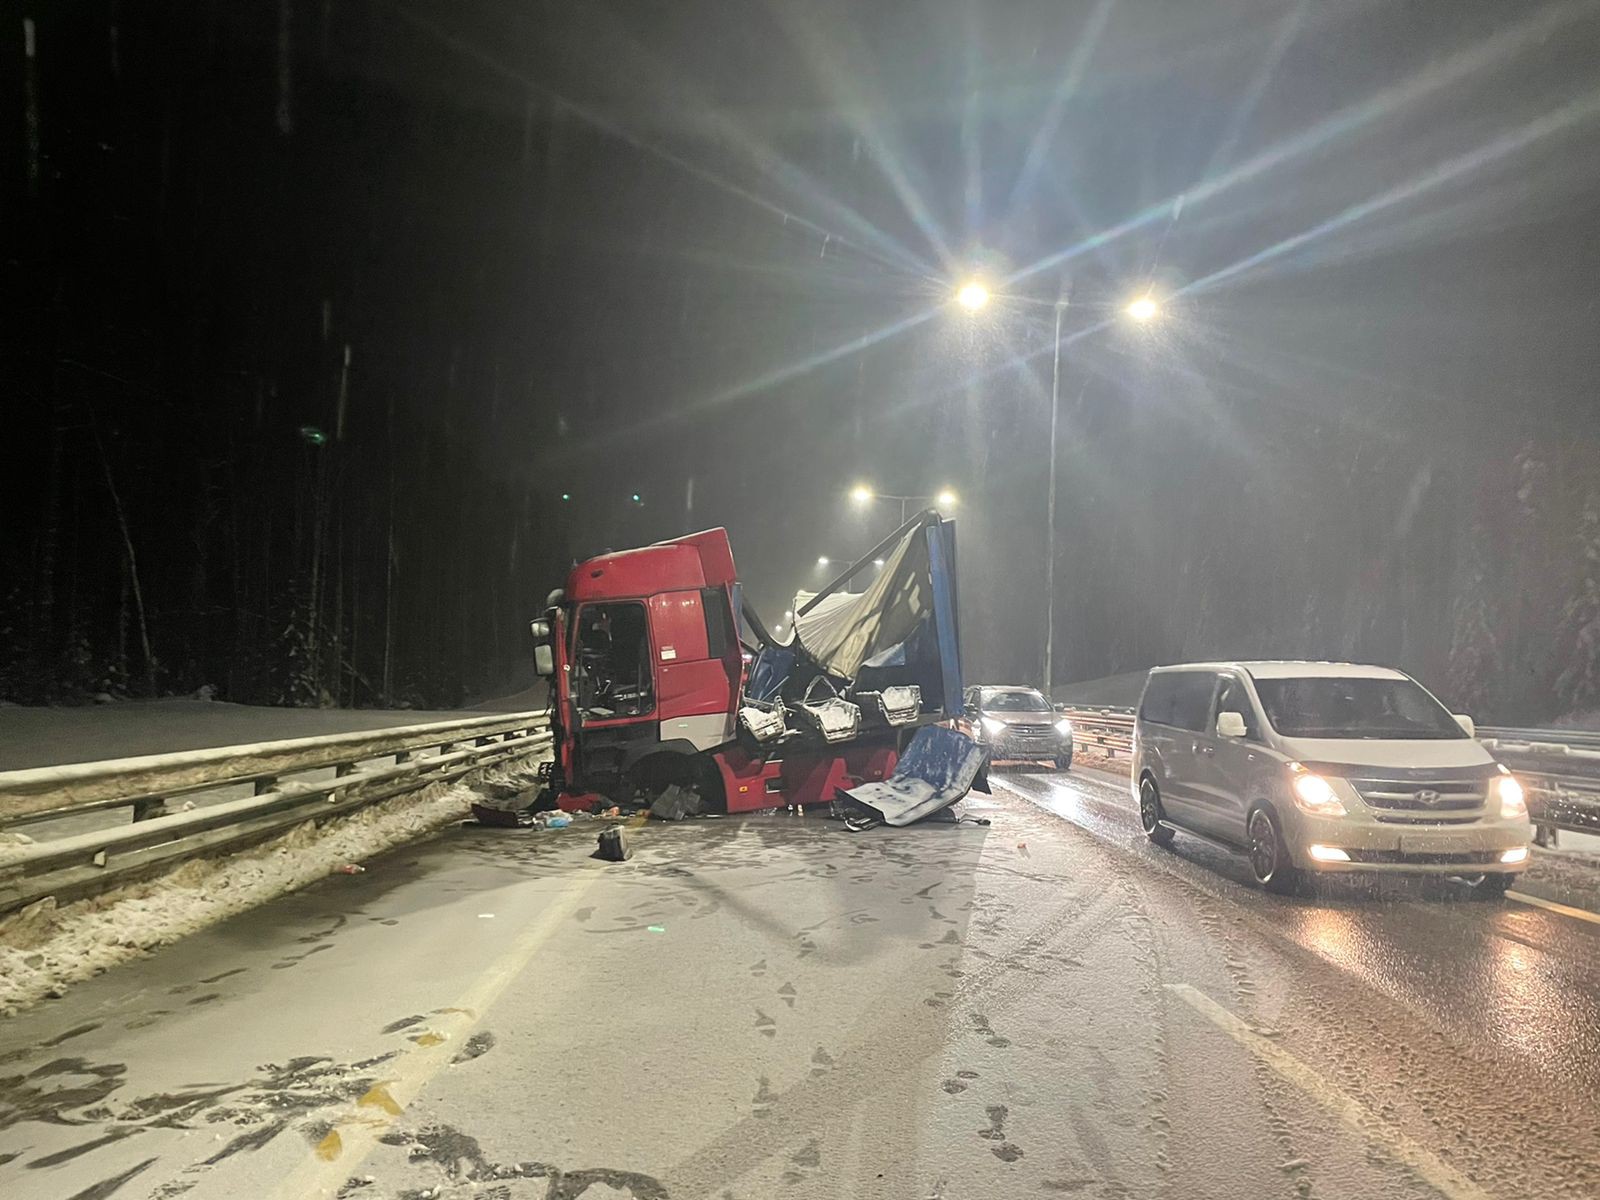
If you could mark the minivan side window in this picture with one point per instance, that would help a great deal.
(1181, 698)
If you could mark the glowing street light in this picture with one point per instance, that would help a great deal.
(1143, 309)
(823, 560)
(972, 296)
(864, 495)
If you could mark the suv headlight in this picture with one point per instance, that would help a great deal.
(1314, 794)
(993, 725)
(1064, 727)
(1513, 804)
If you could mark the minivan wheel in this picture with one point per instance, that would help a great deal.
(1269, 856)
(1151, 814)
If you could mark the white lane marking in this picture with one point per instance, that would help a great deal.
(1432, 1169)
(358, 1126)
(1566, 910)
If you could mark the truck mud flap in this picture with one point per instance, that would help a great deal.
(938, 768)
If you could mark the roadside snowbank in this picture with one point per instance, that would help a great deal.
(45, 949)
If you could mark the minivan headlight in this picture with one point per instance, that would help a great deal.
(1314, 794)
(1513, 804)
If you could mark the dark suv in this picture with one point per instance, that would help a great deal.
(1018, 723)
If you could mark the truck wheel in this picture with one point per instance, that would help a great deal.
(1151, 813)
(1269, 854)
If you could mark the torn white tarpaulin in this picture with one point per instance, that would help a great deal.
(844, 630)
(937, 769)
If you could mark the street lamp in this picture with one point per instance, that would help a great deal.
(972, 295)
(863, 495)
(1142, 309)
(823, 560)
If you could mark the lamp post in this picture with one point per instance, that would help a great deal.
(1142, 309)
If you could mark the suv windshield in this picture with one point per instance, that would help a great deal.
(1015, 702)
(1354, 708)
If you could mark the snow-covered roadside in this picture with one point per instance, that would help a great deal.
(45, 949)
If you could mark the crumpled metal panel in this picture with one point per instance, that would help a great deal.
(937, 769)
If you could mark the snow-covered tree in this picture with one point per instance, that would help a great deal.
(1475, 661)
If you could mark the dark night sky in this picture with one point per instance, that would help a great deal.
(704, 252)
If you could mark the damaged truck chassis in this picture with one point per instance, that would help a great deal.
(663, 677)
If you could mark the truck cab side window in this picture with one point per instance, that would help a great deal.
(612, 669)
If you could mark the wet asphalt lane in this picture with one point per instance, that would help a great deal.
(775, 1007)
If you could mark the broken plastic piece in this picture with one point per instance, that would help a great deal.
(675, 803)
(614, 844)
(350, 869)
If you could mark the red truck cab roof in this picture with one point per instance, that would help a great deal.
(698, 560)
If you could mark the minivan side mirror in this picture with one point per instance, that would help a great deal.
(544, 660)
(1467, 725)
(1230, 725)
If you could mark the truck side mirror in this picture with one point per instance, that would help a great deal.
(540, 630)
(1467, 725)
(1230, 725)
(544, 660)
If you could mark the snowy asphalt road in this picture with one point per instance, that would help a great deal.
(775, 1007)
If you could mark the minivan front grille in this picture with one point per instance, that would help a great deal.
(1421, 798)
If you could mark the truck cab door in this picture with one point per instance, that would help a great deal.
(697, 666)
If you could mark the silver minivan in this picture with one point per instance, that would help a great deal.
(1324, 767)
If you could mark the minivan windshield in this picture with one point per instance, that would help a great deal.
(1015, 702)
(1322, 707)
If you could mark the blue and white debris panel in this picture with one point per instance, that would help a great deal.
(938, 768)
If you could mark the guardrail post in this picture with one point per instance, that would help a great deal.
(340, 770)
(265, 783)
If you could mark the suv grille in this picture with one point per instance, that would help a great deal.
(1028, 731)
(1447, 800)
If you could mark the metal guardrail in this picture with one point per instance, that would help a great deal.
(84, 863)
(1107, 731)
(1559, 767)
(1561, 770)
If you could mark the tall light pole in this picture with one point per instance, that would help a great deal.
(1142, 309)
(1050, 514)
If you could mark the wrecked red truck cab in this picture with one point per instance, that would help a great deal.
(661, 675)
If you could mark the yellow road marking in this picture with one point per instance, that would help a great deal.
(1432, 1169)
(358, 1127)
(1566, 910)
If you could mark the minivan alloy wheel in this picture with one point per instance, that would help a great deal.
(1150, 814)
(1269, 857)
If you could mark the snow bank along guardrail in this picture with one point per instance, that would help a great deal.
(84, 863)
(1560, 767)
